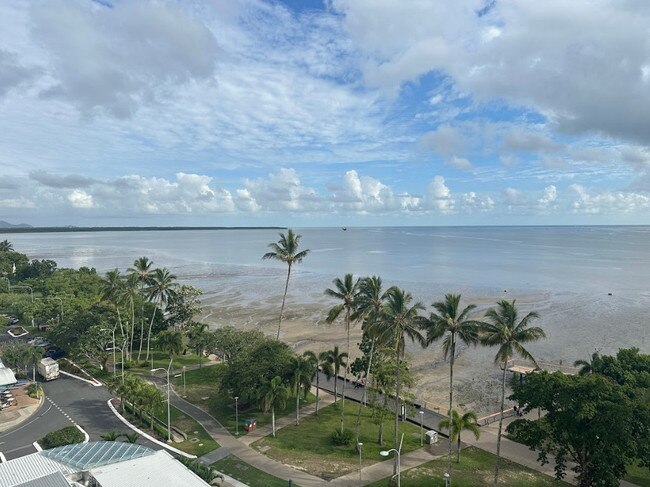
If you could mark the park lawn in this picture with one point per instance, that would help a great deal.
(202, 390)
(638, 475)
(199, 442)
(476, 468)
(161, 360)
(309, 446)
(251, 476)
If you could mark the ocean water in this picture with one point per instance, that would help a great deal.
(564, 273)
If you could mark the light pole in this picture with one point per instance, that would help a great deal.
(121, 349)
(446, 477)
(421, 428)
(113, 347)
(359, 445)
(31, 291)
(236, 416)
(169, 414)
(398, 453)
(184, 381)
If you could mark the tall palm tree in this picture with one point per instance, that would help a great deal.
(6, 246)
(170, 341)
(274, 394)
(455, 326)
(130, 291)
(143, 275)
(160, 292)
(301, 373)
(112, 292)
(337, 359)
(347, 291)
(198, 334)
(456, 423)
(509, 333)
(588, 366)
(33, 355)
(400, 320)
(319, 363)
(286, 250)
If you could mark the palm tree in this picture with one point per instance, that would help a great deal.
(286, 250)
(112, 292)
(456, 424)
(6, 246)
(453, 323)
(170, 341)
(33, 355)
(506, 331)
(347, 291)
(301, 373)
(274, 394)
(160, 292)
(111, 436)
(400, 320)
(588, 366)
(143, 276)
(130, 292)
(198, 338)
(337, 359)
(319, 363)
(131, 437)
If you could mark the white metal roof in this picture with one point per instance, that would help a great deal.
(6, 376)
(149, 471)
(55, 479)
(30, 467)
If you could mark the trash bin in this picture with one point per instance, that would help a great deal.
(432, 437)
(250, 424)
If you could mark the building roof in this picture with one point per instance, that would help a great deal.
(6, 376)
(86, 456)
(55, 479)
(24, 469)
(150, 471)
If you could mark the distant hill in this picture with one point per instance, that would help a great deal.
(4, 224)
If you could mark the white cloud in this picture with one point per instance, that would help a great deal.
(80, 199)
(445, 140)
(460, 163)
(548, 198)
(607, 202)
(439, 195)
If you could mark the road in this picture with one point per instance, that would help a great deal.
(68, 401)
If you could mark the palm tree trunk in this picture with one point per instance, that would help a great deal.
(347, 367)
(141, 331)
(132, 327)
(284, 297)
(458, 450)
(297, 405)
(365, 390)
(317, 389)
(451, 400)
(397, 408)
(336, 379)
(503, 400)
(150, 327)
(273, 421)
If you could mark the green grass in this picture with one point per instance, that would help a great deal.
(161, 360)
(247, 474)
(476, 468)
(202, 389)
(638, 475)
(191, 428)
(310, 448)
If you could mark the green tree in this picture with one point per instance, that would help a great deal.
(286, 250)
(452, 323)
(337, 359)
(111, 436)
(112, 292)
(183, 306)
(301, 374)
(456, 424)
(400, 320)
(130, 293)
(505, 330)
(319, 363)
(94, 346)
(274, 394)
(587, 366)
(6, 246)
(590, 421)
(161, 291)
(200, 339)
(347, 292)
(142, 272)
(32, 355)
(170, 341)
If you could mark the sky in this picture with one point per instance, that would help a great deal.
(324, 113)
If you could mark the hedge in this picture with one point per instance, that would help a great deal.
(66, 436)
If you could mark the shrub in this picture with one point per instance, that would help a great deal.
(65, 436)
(34, 390)
(342, 438)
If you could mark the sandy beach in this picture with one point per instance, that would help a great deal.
(576, 324)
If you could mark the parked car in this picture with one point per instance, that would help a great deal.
(54, 352)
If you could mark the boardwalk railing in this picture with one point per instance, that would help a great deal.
(491, 418)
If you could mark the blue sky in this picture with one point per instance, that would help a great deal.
(344, 112)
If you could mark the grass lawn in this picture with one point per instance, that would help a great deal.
(476, 468)
(309, 446)
(202, 389)
(161, 359)
(247, 474)
(638, 475)
(198, 442)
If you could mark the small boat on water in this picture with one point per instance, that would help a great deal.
(344, 228)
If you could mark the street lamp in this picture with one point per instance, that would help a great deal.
(169, 415)
(31, 291)
(421, 428)
(398, 452)
(113, 348)
(121, 349)
(236, 416)
(359, 445)
(184, 394)
(446, 477)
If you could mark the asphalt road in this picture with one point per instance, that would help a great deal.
(68, 401)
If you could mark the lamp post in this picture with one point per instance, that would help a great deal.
(236, 416)
(113, 347)
(421, 427)
(359, 445)
(446, 477)
(169, 415)
(398, 453)
(121, 349)
(184, 381)
(31, 291)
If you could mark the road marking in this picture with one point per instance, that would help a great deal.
(27, 424)
(37, 446)
(3, 459)
(62, 412)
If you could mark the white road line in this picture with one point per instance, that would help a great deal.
(2, 458)
(37, 446)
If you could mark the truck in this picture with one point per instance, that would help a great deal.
(48, 368)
